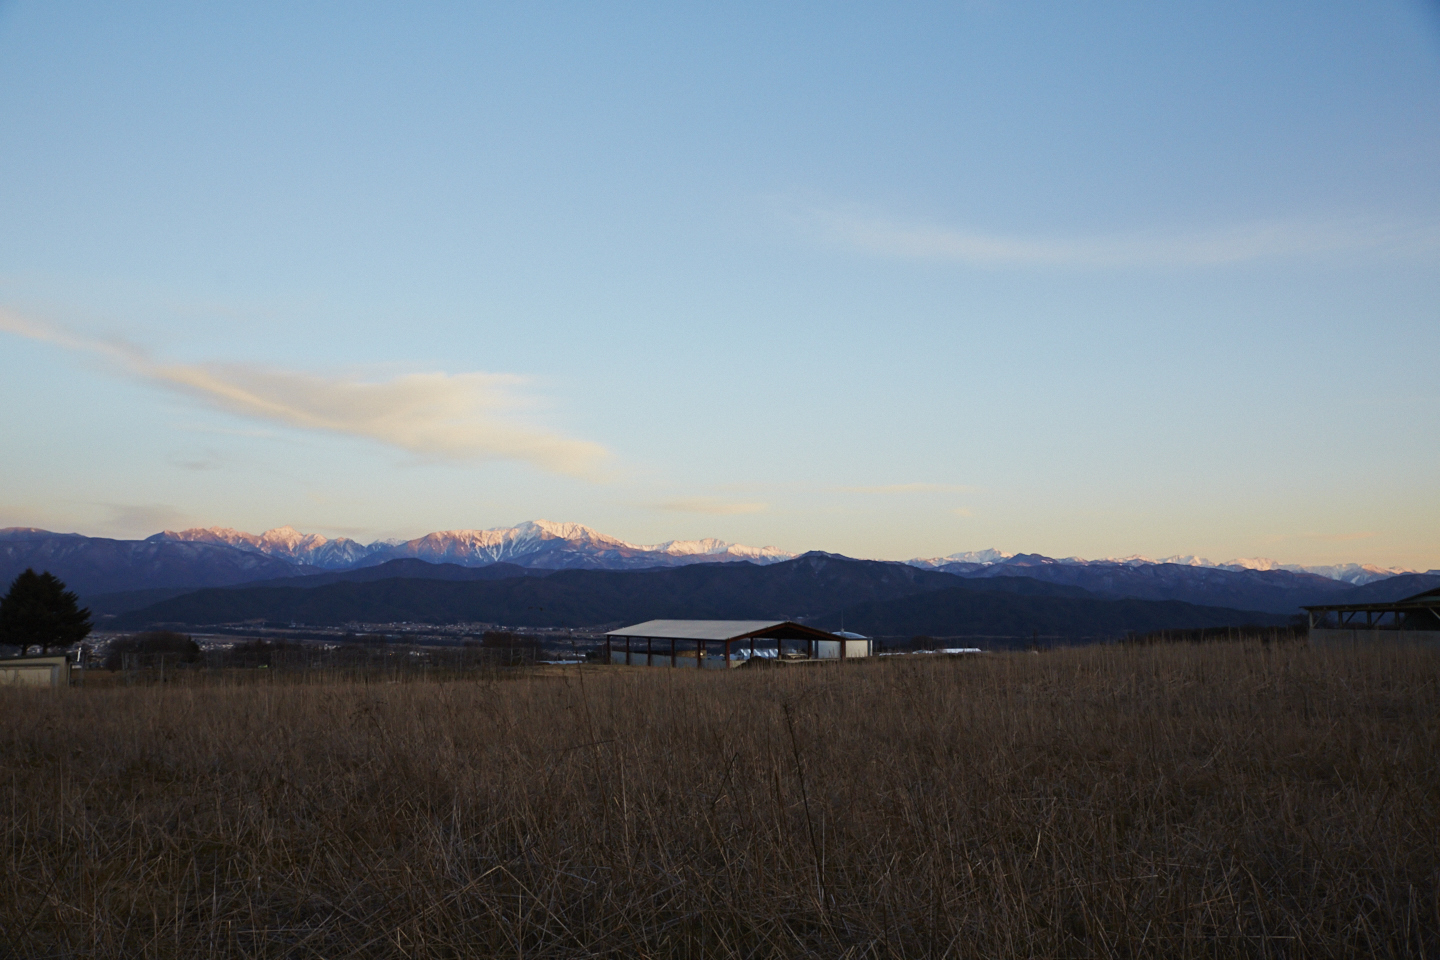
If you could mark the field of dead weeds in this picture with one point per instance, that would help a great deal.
(1225, 799)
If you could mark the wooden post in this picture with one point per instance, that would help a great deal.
(672, 651)
(727, 654)
(609, 655)
(627, 651)
(649, 651)
(699, 654)
(752, 646)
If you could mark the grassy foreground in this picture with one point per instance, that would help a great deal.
(1167, 801)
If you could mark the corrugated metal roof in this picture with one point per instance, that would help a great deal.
(695, 629)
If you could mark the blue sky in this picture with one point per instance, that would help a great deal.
(1085, 280)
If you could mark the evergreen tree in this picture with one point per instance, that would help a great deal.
(39, 612)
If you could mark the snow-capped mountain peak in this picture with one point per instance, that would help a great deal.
(538, 543)
(710, 547)
(307, 549)
(974, 556)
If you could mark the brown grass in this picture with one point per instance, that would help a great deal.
(1172, 801)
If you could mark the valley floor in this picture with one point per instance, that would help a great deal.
(1176, 800)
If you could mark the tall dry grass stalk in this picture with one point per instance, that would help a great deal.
(1172, 801)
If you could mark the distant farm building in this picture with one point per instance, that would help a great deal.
(1415, 619)
(35, 672)
(720, 644)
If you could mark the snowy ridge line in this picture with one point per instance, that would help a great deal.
(544, 544)
(1352, 573)
(526, 541)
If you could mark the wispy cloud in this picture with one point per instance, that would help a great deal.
(1259, 240)
(208, 460)
(710, 505)
(442, 415)
(902, 488)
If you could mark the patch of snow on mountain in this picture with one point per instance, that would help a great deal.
(974, 556)
(710, 547)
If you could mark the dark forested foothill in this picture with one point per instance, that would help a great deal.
(875, 598)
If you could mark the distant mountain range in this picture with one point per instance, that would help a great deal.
(96, 565)
(570, 546)
(884, 599)
(535, 543)
(121, 575)
(1352, 573)
(1277, 591)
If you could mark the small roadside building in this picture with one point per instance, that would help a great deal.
(1415, 620)
(35, 672)
(720, 644)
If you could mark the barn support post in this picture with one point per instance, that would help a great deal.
(609, 653)
(627, 651)
(727, 654)
(752, 646)
(672, 651)
(699, 654)
(649, 651)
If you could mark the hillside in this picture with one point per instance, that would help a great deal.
(1392, 589)
(873, 597)
(972, 611)
(405, 569)
(805, 587)
(95, 565)
(1275, 591)
(128, 600)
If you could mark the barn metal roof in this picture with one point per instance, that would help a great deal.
(707, 629)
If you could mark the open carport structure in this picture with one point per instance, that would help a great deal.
(1416, 619)
(718, 644)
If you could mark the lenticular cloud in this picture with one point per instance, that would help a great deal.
(453, 416)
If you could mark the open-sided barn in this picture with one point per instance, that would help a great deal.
(1415, 619)
(719, 644)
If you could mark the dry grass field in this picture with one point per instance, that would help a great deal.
(1227, 799)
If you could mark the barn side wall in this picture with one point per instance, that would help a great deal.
(682, 659)
(830, 649)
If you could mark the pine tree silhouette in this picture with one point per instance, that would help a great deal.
(39, 612)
